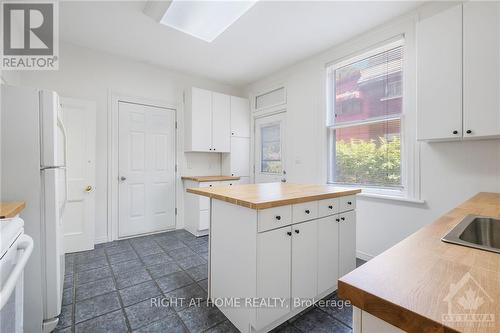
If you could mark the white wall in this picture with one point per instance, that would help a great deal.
(449, 172)
(92, 75)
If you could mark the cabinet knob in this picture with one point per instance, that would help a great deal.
(307, 211)
(297, 231)
(468, 132)
(277, 217)
(289, 233)
(330, 207)
(342, 218)
(349, 202)
(214, 149)
(338, 220)
(455, 132)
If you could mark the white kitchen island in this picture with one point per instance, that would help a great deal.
(277, 248)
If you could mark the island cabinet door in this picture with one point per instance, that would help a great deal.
(304, 262)
(347, 242)
(273, 273)
(328, 252)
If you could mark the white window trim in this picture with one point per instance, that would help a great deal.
(410, 148)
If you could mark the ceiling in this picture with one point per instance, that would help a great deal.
(270, 36)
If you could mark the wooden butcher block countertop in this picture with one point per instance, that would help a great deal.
(11, 209)
(209, 178)
(262, 196)
(418, 283)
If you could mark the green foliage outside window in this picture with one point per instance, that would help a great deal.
(369, 162)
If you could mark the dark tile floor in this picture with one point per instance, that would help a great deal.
(109, 289)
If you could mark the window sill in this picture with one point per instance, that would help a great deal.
(391, 198)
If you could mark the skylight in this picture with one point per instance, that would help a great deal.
(205, 20)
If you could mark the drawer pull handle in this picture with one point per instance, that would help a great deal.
(307, 211)
(330, 207)
(297, 231)
(349, 202)
(277, 217)
(338, 220)
(289, 233)
(342, 218)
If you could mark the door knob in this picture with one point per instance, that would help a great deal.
(89, 188)
(123, 178)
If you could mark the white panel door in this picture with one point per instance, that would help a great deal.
(240, 117)
(439, 76)
(146, 166)
(481, 69)
(201, 120)
(221, 123)
(270, 149)
(79, 118)
(273, 272)
(347, 242)
(328, 252)
(304, 263)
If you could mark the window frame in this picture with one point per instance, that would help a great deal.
(404, 192)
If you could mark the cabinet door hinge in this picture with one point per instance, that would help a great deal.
(176, 125)
(175, 211)
(175, 168)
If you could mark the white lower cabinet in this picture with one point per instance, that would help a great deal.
(363, 322)
(277, 256)
(197, 208)
(347, 235)
(273, 272)
(328, 252)
(304, 262)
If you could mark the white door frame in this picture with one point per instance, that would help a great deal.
(113, 139)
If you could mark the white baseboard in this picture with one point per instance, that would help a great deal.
(100, 240)
(364, 256)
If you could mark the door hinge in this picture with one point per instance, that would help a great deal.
(176, 168)
(176, 125)
(175, 211)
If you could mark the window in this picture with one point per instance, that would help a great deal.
(365, 105)
(270, 161)
(271, 98)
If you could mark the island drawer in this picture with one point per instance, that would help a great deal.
(276, 217)
(328, 207)
(347, 203)
(304, 211)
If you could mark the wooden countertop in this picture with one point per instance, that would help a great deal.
(209, 178)
(262, 196)
(410, 284)
(11, 209)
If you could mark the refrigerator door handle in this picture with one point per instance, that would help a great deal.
(63, 130)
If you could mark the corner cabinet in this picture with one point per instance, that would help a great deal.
(458, 61)
(207, 121)
(294, 253)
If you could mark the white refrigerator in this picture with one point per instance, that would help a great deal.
(33, 169)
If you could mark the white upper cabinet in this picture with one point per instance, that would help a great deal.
(221, 127)
(481, 69)
(198, 120)
(206, 121)
(439, 76)
(240, 117)
(458, 73)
